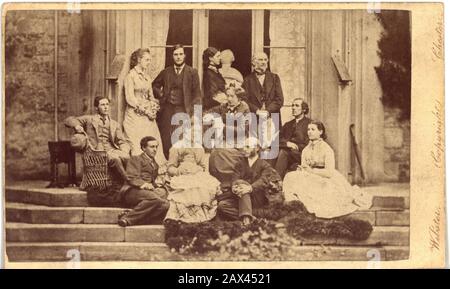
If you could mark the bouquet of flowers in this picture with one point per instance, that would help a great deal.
(148, 107)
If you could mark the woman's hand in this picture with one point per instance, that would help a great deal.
(79, 129)
(147, 186)
(304, 168)
(220, 97)
(308, 169)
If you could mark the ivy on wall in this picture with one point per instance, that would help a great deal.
(394, 71)
(28, 94)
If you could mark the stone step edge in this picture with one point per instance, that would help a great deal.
(79, 198)
(21, 232)
(31, 206)
(376, 191)
(35, 214)
(66, 251)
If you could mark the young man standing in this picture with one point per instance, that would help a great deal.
(178, 89)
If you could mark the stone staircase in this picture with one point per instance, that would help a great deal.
(45, 224)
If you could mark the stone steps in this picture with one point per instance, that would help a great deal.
(67, 197)
(89, 251)
(113, 251)
(22, 232)
(46, 224)
(38, 214)
(73, 197)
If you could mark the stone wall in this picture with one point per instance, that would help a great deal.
(397, 144)
(29, 97)
(29, 107)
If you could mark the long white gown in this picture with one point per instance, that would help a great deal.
(325, 197)
(193, 195)
(136, 125)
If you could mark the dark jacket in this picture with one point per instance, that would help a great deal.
(229, 166)
(213, 83)
(270, 93)
(297, 134)
(140, 169)
(265, 181)
(191, 87)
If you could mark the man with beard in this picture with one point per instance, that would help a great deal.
(293, 137)
(264, 93)
(247, 182)
(178, 89)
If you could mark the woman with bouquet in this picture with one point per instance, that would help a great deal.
(142, 107)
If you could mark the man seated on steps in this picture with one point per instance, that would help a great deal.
(248, 183)
(293, 138)
(142, 192)
(103, 134)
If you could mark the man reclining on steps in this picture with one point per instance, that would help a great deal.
(142, 192)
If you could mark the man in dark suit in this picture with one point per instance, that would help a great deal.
(142, 192)
(103, 134)
(293, 137)
(178, 89)
(264, 93)
(247, 183)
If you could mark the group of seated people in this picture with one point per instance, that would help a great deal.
(162, 178)
(225, 183)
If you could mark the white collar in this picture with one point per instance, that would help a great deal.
(181, 67)
(299, 119)
(252, 160)
(316, 142)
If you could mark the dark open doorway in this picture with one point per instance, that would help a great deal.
(230, 29)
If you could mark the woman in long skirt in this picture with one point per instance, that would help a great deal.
(140, 113)
(318, 185)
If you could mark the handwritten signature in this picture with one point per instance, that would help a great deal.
(434, 230)
(438, 144)
(438, 43)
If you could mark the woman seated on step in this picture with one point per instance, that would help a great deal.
(193, 189)
(318, 185)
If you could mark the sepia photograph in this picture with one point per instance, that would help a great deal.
(196, 133)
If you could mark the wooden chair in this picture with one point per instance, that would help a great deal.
(62, 152)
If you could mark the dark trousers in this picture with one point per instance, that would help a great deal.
(119, 166)
(165, 126)
(259, 199)
(286, 159)
(108, 197)
(117, 160)
(232, 208)
(149, 207)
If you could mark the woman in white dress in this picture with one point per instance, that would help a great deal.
(141, 109)
(192, 197)
(318, 185)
